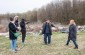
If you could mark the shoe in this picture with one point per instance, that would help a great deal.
(14, 51)
(45, 44)
(66, 45)
(17, 49)
(49, 44)
(23, 44)
(76, 48)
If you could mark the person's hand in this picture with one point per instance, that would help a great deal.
(19, 28)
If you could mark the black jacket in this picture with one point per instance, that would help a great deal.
(72, 32)
(47, 28)
(23, 26)
(12, 30)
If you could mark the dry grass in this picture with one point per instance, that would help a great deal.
(34, 46)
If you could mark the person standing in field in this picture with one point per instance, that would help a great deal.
(47, 31)
(12, 30)
(17, 25)
(16, 21)
(23, 30)
(72, 34)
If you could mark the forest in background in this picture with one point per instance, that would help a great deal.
(56, 11)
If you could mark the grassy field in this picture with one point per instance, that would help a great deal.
(34, 45)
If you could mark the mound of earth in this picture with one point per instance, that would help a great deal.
(3, 29)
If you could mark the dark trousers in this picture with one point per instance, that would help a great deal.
(23, 36)
(45, 38)
(74, 41)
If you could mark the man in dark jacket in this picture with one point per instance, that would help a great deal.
(12, 30)
(47, 31)
(72, 34)
(23, 30)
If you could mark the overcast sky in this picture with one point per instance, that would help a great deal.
(14, 6)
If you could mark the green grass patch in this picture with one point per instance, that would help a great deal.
(34, 45)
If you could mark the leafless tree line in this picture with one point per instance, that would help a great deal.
(56, 11)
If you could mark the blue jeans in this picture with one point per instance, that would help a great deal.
(74, 41)
(45, 38)
(13, 44)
